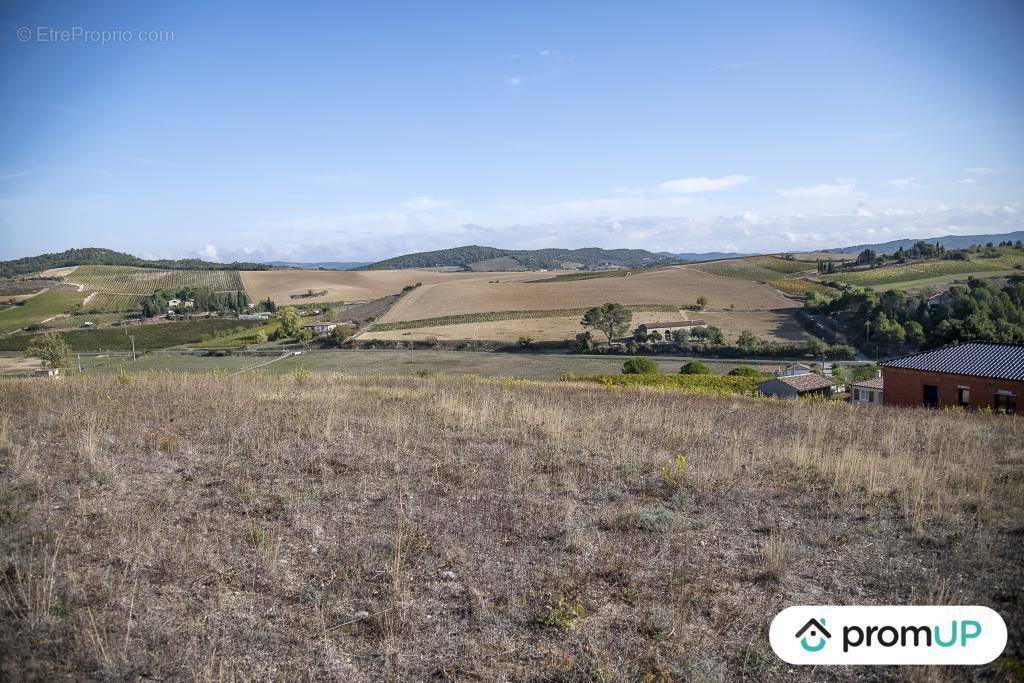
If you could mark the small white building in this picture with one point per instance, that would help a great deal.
(867, 392)
(46, 372)
(320, 326)
(263, 315)
(796, 370)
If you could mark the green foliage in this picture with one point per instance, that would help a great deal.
(640, 366)
(610, 319)
(744, 371)
(673, 473)
(747, 341)
(290, 320)
(563, 614)
(51, 349)
(702, 302)
(694, 367)
(341, 334)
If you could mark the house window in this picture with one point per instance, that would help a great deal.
(871, 397)
(963, 397)
(930, 396)
(1005, 403)
(856, 394)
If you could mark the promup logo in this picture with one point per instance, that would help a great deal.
(888, 635)
(817, 631)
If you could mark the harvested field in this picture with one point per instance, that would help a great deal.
(350, 285)
(780, 325)
(384, 528)
(676, 286)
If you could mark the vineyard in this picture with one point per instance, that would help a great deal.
(149, 336)
(799, 287)
(910, 272)
(756, 268)
(143, 281)
(496, 316)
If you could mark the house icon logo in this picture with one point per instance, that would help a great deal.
(815, 631)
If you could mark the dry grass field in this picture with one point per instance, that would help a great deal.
(384, 528)
(351, 285)
(677, 286)
(769, 325)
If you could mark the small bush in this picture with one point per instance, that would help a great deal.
(744, 371)
(640, 366)
(695, 367)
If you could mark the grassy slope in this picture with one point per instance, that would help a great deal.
(397, 529)
(37, 309)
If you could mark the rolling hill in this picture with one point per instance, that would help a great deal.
(948, 241)
(95, 256)
(476, 257)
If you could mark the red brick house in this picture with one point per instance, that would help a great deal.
(972, 375)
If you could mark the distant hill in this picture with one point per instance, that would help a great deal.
(479, 258)
(320, 265)
(949, 242)
(95, 256)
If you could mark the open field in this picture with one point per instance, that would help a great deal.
(675, 286)
(539, 366)
(756, 268)
(778, 325)
(914, 272)
(942, 282)
(37, 309)
(352, 285)
(147, 336)
(200, 527)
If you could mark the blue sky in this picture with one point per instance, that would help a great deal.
(344, 131)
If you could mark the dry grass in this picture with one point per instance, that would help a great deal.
(385, 528)
(351, 285)
(678, 286)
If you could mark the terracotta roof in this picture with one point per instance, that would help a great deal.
(681, 323)
(809, 382)
(873, 383)
(978, 359)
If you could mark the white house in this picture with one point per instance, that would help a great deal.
(797, 369)
(320, 326)
(867, 392)
(262, 315)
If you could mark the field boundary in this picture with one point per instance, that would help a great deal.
(497, 316)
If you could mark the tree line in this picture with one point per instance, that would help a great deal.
(95, 256)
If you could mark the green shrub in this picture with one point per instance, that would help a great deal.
(695, 367)
(640, 366)
(744, 371)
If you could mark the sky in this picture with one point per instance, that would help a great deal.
(322, 131)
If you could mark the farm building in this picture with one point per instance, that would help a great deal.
(46, 372)
(797, 386)
(320, 326)
(971, 375)
(868, 391)
(264, 315)
(797, 369)
(666, 329)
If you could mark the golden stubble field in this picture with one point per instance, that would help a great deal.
(353, 285)
(778, 325)
(678, 286)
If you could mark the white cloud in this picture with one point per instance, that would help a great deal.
(840, 188)
(209, 253)
(904, 183)
(968, 181)
(426, 203)
(548, 53)
(514, 80)
(695, 185)
(982, 170)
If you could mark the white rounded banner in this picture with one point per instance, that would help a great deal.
(824, 634)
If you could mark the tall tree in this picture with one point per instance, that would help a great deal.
(609, 319)
(51, 349)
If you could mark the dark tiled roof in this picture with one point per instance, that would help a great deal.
(978, 359)
(873, 383)
(808, 382)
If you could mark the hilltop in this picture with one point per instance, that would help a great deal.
(480, 258)
(948, 241)
(96, 256)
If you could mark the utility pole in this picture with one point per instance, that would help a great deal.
(133, 347)
(79, 363)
